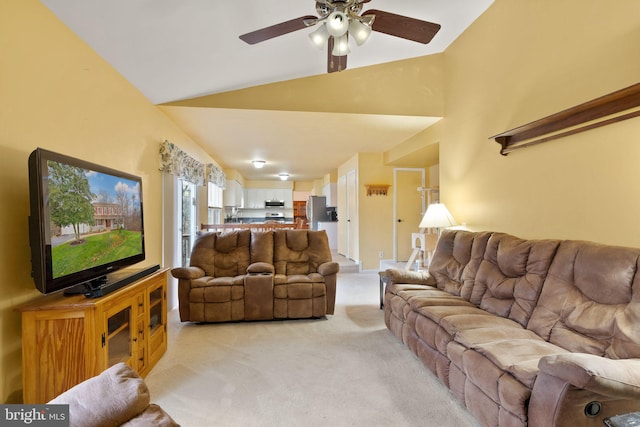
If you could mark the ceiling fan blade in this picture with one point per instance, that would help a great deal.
(403, 26)
(276, 30)
(335, 63)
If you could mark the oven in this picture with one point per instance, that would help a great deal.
(274, 216)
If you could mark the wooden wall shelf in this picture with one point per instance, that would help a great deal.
(377, 189)
(589, 115)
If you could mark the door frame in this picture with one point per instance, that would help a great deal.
(395, 203)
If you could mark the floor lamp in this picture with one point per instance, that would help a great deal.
(437, 216)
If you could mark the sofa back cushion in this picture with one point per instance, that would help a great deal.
(511, 274)
(590, 301)
(300, 251)
(262, 246)
(222, 254)
(456, 260)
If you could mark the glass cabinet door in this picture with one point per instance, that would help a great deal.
(157, 321)
(156, 313)
(118, 336)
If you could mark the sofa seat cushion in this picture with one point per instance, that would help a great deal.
(299, 290)
(454, 319)
(471, 338)
(434, 297)
(438, 325)
(207, 281)
(518, 356)
(281, 279)
(395, 289)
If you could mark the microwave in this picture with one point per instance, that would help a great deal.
(274, 204)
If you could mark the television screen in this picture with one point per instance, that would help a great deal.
(86, 220)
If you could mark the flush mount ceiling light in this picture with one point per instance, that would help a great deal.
(341, 20)
(283, 176)
(258, 164)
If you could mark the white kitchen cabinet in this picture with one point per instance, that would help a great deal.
(255, 197)
(330, 191)
(233, 195)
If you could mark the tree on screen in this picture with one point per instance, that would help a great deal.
(70, 197)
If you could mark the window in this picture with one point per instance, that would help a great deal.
(188, 219)
(214, 204)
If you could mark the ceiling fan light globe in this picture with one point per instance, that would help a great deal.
(341, 46)
(337, 23)
(320, 37)
(359, 31)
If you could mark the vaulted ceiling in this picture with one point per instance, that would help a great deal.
(175, 51)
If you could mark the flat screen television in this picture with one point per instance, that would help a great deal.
(86, 222)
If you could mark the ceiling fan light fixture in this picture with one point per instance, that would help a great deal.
(341, 46)
(258, 164)
(320, 37)
(359, 31)
(337, 23)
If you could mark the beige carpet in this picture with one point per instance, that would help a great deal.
(346, 370)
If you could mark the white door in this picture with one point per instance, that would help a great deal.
(352, 215)
(343, 246)
(408, 209)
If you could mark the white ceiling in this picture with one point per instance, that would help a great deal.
(172, 50)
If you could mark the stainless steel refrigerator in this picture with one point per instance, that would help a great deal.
(316, 211)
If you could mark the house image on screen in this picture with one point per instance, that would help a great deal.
(106, 216)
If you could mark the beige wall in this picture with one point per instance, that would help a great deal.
(521, 61)
(375, 219)
(56, 93)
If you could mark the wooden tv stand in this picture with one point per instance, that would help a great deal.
(68, 339)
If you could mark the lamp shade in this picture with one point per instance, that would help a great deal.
(337, 23)
(320, 37)
(359, 31)
(341, 46)
(437, 216)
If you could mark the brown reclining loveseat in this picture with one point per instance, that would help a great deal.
(525, 332)
(253, 275)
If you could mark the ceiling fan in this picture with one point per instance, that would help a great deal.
(339, 19)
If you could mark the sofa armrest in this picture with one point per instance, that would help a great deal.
(260, 268)
(188, 273)
(328, 268)
(609, 377)
(395, 275)
(109, 399)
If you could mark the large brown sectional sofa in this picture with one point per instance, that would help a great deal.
(525, 332)
(253, 275)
